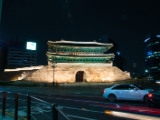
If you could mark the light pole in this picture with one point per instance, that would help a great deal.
(54, 66)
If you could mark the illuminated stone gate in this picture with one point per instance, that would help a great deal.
(70, 61)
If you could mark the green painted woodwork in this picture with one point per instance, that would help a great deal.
(70, 49)
(69, 54)
(68, 59)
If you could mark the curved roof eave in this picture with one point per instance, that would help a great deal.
(76, 42)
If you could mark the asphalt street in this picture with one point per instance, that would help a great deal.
(76, 103)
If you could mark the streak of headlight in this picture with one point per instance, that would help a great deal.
(130, 115)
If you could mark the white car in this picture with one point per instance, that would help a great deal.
(125, 92)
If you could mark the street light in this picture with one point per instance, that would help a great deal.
(54, 66)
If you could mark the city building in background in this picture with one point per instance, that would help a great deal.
(152, 56)
(18, 58)
(15, 54)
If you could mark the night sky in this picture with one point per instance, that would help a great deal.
(126, 22)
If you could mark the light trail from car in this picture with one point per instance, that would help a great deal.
(113, 105)
(117, 113)
(130, 108)
(130, 115)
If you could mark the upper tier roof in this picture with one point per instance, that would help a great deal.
(64, 42)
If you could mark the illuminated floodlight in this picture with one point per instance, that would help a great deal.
(31, 45)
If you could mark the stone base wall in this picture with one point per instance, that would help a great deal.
(44, 74)
(66, 73)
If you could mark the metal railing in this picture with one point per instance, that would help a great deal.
(55, 110)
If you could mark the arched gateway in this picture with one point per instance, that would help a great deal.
(79, 76)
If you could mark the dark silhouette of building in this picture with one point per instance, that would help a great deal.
(152, 56)
(119, 60)
(3, 55)
(134, 73)
(1, 58)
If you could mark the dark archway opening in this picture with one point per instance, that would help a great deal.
(79, 76)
